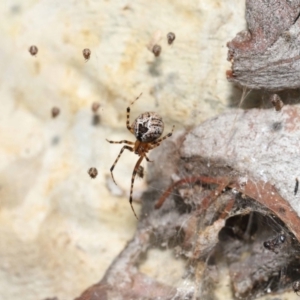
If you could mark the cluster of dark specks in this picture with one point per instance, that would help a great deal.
(156, 49)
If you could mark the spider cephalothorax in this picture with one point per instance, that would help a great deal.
(147, 128)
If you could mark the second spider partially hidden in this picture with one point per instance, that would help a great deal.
(147, 128)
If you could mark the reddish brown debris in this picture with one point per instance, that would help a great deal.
(229, 74)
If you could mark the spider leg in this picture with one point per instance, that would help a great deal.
(132, 182)
(128, 114)
(154, 145)
(121, 142)
(157, 142)
(112, 167)
(147, 158)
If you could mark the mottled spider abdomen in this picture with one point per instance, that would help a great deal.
(148, 127)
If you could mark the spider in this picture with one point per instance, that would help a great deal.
(147, 128)
(171, 37)
(275, 243)
(296, 287)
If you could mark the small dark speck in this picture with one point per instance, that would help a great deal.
(96, 120)
(154, 68)
(296, 187)
(55, 140)
(55, 112)
(276, 126)
(15, 9)
(156, 50)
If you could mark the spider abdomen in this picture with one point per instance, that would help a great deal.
(148, 127)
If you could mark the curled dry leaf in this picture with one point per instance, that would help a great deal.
(238, 198)
(266, 55)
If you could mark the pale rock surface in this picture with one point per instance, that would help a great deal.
(59, 229)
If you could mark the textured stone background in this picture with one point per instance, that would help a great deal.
(60, 230)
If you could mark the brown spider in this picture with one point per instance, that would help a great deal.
(147, 128)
